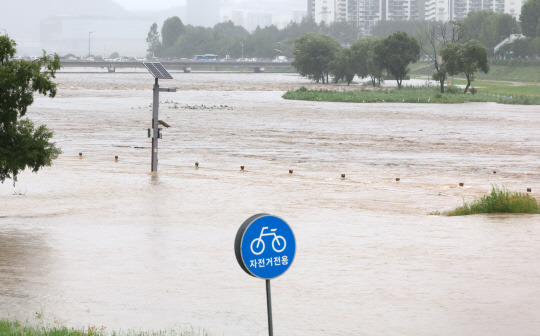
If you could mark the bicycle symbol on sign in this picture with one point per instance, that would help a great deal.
(278, 243)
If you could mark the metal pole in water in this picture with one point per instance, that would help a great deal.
(155, 119)
(269, 308)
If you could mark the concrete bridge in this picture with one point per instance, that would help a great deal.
(186, 66)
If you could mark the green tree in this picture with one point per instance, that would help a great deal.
(313, 54)
(396, 52)
(154, 43)
(414, 28)
(434, 39)
(171, 31)
(468, 58)
(495, 28)
(198, 40)
(474, 22)
(344, 32)
(21, 144)
(534, 47)
(490, 28)
(530, 18)
(342, 66)
(365, 62)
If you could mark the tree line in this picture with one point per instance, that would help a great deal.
(320, 57)
(175, 39)
(178, 40)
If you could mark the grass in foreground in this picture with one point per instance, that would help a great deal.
(16, 328)
(498, 201)
(409, 94)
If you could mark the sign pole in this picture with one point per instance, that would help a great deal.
(269, 308)
(265, 248)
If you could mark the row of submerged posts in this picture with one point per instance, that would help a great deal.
(291, 171)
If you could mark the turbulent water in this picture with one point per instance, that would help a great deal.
(91, 241)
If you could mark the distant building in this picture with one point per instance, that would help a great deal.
(324, 11)
(460, 8)
(257, 19)
(366, 13)
(204, 13)
(238, 18)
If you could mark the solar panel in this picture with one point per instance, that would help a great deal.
(157, 70)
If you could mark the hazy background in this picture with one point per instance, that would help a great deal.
(106, 26)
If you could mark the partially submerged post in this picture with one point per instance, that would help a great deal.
(159, 72)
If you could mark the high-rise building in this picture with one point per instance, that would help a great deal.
(324, 11)
(369, 13)
(437, 10)
(366, 13)
(460, 8)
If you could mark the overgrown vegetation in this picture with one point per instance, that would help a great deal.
(500, 200)
(17, 328)
(408, 94)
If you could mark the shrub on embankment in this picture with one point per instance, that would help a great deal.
(500, 200)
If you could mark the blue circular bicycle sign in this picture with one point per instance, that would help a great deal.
(265, 246)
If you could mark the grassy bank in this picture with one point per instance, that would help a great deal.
(16, 328)
(500, 200)
(409, 95)
(518, 73)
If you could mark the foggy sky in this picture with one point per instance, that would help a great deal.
(149, 5)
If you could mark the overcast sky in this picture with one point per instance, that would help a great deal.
(145, 4)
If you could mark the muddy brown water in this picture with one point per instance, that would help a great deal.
(91, 241)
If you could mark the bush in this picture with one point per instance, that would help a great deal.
(498, 201)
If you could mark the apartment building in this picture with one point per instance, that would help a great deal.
(366, 13)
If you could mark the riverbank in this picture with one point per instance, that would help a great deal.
(18, 328)
(422, 94)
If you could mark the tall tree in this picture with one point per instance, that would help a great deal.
(153, 40)
(365, 64)
(468, 58)
(434, 39)
(530, 18)
(342, 66)
(396, 52)
(21, 144)
(474, 21)
(172, 30)
(313, 54)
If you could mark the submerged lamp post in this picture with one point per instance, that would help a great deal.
(158, 71)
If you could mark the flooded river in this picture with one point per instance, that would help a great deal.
(91, 241)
